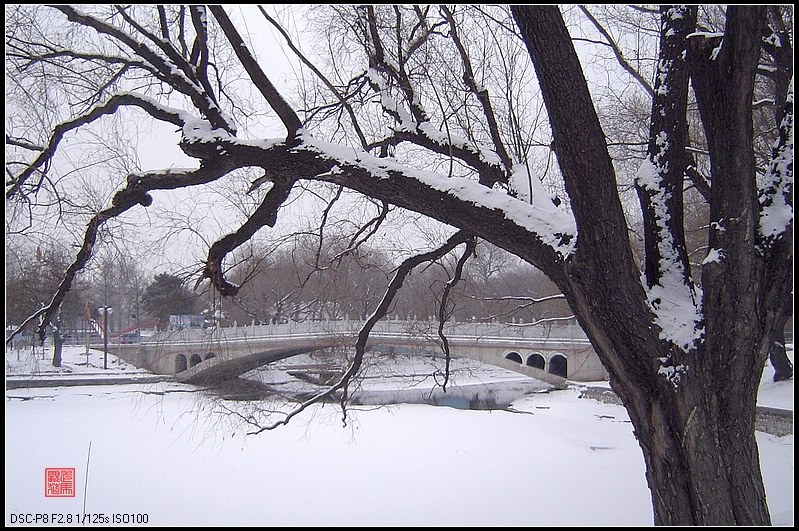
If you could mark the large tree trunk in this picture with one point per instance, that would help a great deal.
(692, 406)
(742, 303)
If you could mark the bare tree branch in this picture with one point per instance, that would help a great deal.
(111, 106)
(253, 69)
(339, 96)
(480, 92)
(135, 193)
(25, 144)
(393, 288)
(468, 252)
(163, 21)
(422, 131)
(617, 52)
(265, 214)
(173, 73)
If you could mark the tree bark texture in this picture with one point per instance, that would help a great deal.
(668, 137)
(697, 435)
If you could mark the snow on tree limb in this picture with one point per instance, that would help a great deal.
(415, 127)
(674, 299)
(149, 105)
(170, 67)
(675, 302)
(552, 226)
(776, 186)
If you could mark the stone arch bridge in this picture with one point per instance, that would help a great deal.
(200, 356)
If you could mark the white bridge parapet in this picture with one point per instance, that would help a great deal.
(348, 326)
(559, 350)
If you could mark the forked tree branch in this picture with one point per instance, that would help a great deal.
(339, 96)
(163, 68)
(169, 50)
(392, 289)
(468, 252)
(257, 75)
(126, 99)
(422, 132)
(265, 214)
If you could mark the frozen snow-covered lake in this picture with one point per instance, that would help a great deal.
(167, 451)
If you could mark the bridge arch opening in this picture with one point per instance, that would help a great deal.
(558, 365)
(536, 360)
(514, 356)
(195, 359)
(180, 363)
(210, 355)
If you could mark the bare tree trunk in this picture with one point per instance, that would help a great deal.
(783, 368)
(696, 424)
(58, 344)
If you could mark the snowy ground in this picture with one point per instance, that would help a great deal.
(164, 450)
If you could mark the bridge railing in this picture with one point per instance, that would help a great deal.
(418, 328)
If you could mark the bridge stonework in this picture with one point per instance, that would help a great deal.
(552, 354)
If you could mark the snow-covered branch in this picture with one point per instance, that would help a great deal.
(775, 192)
(178, 75)
(152, 107)
(674, 299)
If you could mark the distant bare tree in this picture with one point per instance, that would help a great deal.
(32, 275)
(331, 281)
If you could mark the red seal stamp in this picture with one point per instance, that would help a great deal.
(59, 482)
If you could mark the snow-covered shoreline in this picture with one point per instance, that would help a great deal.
(167, 450)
